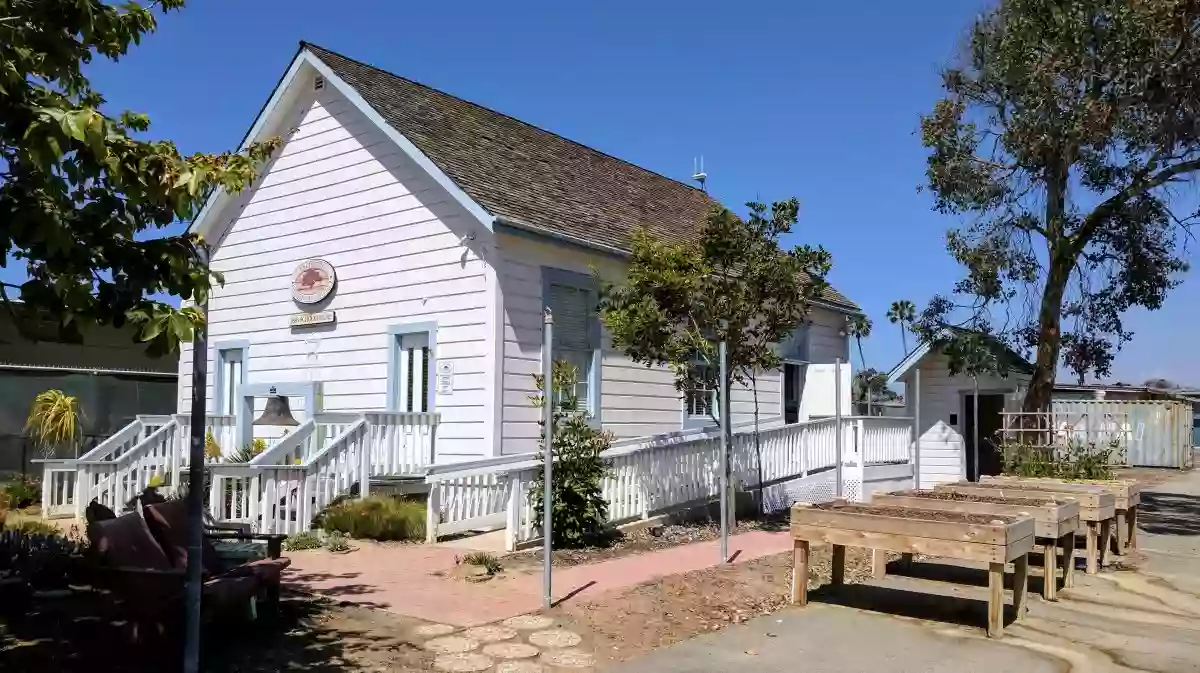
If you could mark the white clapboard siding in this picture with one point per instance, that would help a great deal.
(342, 191)
(635, 401)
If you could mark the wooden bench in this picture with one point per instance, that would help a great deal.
(1127, 494)
(996, 540)
(1096, 509)
(1054, 523)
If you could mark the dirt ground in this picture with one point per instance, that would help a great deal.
(627, 624)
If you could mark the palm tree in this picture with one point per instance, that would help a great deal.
(859, 327)
(902, 312)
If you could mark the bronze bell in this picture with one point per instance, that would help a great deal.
(277, 412)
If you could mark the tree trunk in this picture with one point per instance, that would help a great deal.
(1041, 385)
(757, 448)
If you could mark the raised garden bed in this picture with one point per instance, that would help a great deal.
(1055, 522)
(1096, 507)
(996, 539)
(1127, 494)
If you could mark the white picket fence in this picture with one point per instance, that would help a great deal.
(119, 467)
(282, 489)
(666, 472)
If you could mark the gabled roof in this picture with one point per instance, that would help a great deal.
(1015, 361)
(527, 177)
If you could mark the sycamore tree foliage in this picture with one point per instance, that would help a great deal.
(83, 194)
(734, 283)
(1066, 138)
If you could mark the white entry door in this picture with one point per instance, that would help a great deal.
(412, 376)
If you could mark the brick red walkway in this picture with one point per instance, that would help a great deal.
(400, 578)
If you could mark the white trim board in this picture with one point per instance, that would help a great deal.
(302, 71)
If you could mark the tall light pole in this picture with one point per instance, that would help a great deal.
(195, 492)
(548, 456)
(723, 355)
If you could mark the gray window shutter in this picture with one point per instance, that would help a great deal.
(574, 311)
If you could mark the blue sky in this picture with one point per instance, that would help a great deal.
(814, 99)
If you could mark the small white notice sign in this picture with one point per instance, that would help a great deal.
(445, 378)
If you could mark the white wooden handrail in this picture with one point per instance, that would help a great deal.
(291, 447)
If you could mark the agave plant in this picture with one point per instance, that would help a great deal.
(54, 421)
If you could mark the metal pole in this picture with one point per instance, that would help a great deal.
(916, 427)
(975, 423)
(195, 492)
(548, 456)
(837, 421)
(724, 410)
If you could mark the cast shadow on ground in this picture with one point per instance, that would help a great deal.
(978, 577)
(915, 604)
(89, 636)
(1169, 513)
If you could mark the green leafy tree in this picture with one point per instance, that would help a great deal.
(870, 387)
(1067, 136)
(578, 508)
(734, 283)
(903, 312)
(82, 194)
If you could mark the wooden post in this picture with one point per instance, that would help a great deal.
(1050, 570)
(916, 462)
(838, 567)
(1133, 517)
(995, 627)
(1122, 535)
(432, 514)
(1092, 535)
(1068, 558)
(1102, 558)
(878, 563)
(800, 573)
(1021, 584)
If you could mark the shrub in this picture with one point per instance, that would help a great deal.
(212, 450)
(578, 508)
(484, 560)
(247, 452)
(1076, 460)
(29, 527)
(379, 517)
(24, 492)
(301, 541)
(337, 542)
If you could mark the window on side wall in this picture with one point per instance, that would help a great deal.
(577, 334)
(700, 403)
(231, 361)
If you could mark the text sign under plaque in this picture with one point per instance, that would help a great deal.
(312, 319)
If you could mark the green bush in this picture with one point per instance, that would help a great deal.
(379, 517)
(337, 542)
(1076, 460)
(484, 560)
(22, 493)
(578, 507)
(301, 541)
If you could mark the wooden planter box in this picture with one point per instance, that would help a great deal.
(996, 539)
(1097, 507)
(1128, 494)
(1054, 522)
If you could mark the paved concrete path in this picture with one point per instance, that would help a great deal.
(931, 620)
(411, 579)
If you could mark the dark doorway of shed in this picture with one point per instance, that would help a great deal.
(793, 385)
(990, 458)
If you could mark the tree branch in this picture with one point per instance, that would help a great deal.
(1115, 202)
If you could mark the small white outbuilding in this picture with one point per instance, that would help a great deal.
(943, 406)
